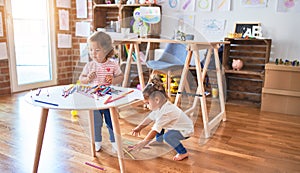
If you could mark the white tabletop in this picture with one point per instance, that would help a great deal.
(52, 98)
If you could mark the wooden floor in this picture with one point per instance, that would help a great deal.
(249, 141)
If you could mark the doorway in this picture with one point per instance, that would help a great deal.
(31, 42)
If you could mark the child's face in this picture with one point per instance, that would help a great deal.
(153, 103)
(97, 53)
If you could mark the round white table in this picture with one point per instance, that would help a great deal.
(53, 98)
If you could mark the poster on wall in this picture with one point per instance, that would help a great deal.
(187, 5)
(204, 5)
(64, 40)
(212, 29)
(81, 8)
(170, 5)
(63, 19)
(221, 5)
(3, 51)
(254, 3)
(1, 26)
(288, 6)
(63, 3)
(83, 29)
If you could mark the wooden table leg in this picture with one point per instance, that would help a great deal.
(139, 65)
(116, 127)
(127, 67)
(42, 127)
(92, 133)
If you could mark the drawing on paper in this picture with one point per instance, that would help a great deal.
(254, 3)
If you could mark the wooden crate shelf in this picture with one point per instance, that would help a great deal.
(246, 84)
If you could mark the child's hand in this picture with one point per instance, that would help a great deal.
(139, 145)
(91, 76)
(109, 79)
(135, 132)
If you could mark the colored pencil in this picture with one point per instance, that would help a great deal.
(52, 104)
(129, 154)
(39, 92)
(107, 100)
(117, 98)
(94, 166)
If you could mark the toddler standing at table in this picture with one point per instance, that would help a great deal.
(166, 117)
(101, 71)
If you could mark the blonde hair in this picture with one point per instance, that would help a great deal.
(104, 41)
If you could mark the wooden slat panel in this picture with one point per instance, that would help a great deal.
(244, 85)
(256, 98)
(248, 48)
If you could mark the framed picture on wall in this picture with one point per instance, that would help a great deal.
(242, 27)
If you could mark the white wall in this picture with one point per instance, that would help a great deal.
(282, 28)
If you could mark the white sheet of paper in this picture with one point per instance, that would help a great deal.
(1, 26)
(83, 29)
(81, 8)
(3, 50)
(64, 40)
(63, 19)
(63, 3)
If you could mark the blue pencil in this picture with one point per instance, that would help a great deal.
(53, 104)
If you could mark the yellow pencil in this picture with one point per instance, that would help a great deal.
(129, 154)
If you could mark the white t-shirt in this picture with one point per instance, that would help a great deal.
(170, 117)
(109, 67)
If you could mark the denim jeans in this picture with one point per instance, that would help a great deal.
(173, 138)
(98, 122)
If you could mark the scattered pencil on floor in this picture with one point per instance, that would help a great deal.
(94, 166)
(129, 154)
(145, 147)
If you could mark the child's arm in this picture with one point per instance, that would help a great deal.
(146, 140)
(117, 79)
(85, 79)
(143, 124)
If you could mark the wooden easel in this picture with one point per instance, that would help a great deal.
(208, 125)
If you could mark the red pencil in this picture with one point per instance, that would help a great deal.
(95, 166)
(117, 98)
(107, 100)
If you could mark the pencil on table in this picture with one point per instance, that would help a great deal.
(107, 100)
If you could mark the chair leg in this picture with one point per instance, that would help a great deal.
(169, 83)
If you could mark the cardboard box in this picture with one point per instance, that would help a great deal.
(281, 91)
(279, 101)
(282, 77)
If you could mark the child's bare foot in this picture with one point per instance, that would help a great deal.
(155, 143)
(180, 157)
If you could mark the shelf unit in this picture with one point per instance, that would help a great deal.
(246, 84)
(103, 14)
